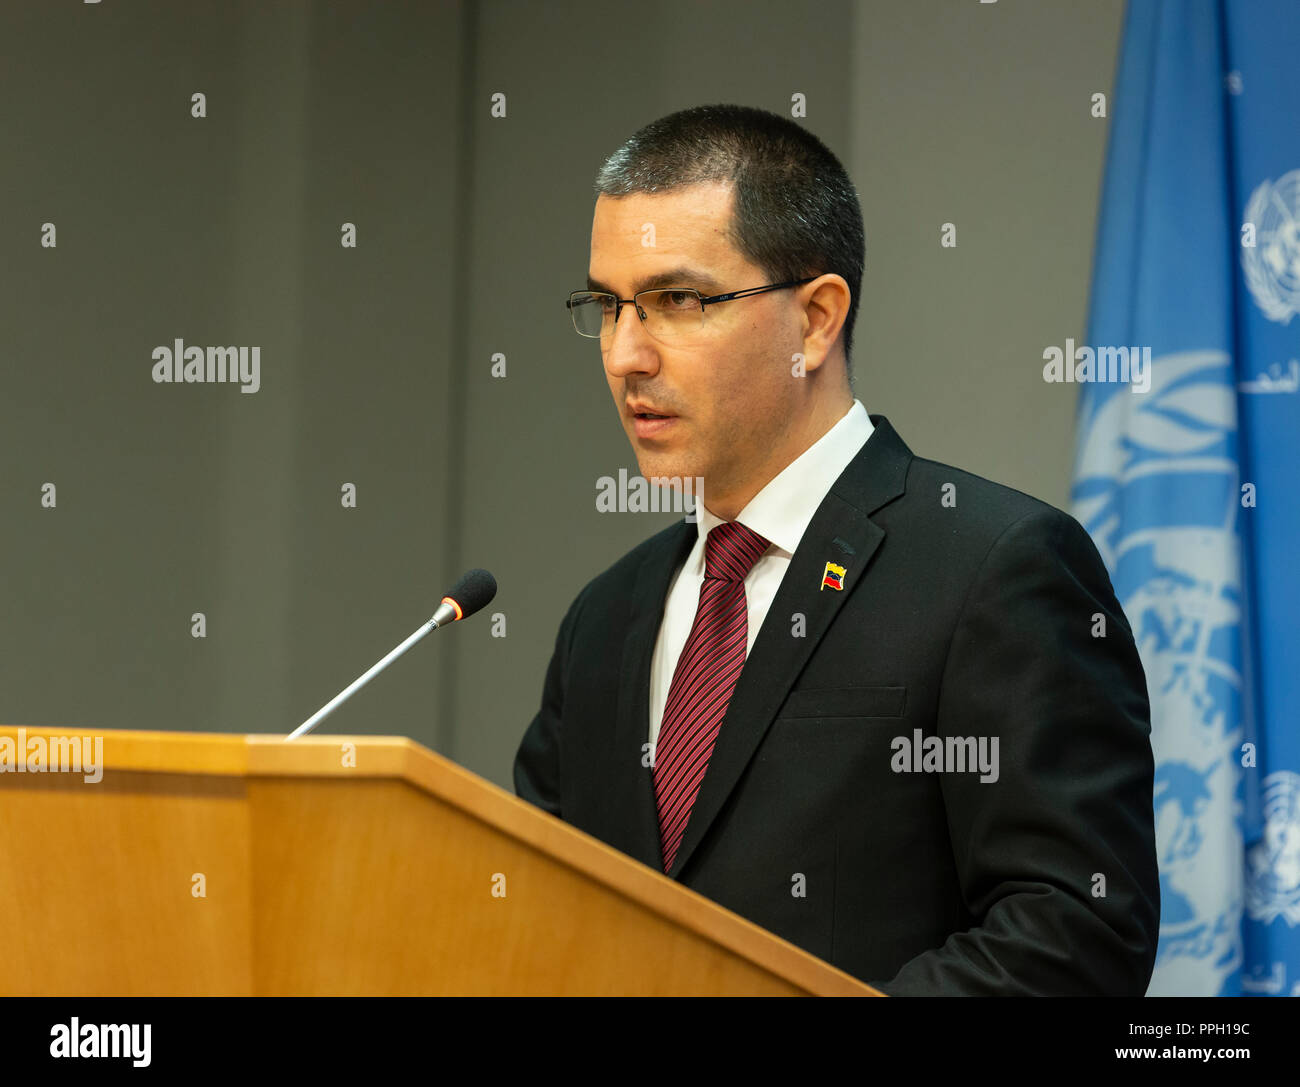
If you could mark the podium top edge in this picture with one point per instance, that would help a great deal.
(208, 753)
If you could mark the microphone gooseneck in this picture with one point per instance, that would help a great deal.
(472, 592)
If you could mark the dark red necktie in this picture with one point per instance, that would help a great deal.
(705, 676)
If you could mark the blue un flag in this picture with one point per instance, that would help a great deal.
(1187, 469)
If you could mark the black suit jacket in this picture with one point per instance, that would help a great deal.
(975, 616)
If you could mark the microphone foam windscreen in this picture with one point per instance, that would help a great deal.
(473, 591)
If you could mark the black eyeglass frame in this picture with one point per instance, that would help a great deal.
(705, 300)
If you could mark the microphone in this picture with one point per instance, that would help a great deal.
(472, 592)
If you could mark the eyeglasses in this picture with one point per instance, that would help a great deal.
(672, 315)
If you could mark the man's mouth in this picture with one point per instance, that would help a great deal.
(641, 410)
(647, 425)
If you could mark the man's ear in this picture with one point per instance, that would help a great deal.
(826, 307)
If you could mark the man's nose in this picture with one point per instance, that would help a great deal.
(629, 348)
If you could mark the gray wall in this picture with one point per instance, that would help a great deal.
(375, 361)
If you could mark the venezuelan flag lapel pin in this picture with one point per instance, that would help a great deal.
(833, 577)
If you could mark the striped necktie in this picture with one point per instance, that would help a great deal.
(704, 679)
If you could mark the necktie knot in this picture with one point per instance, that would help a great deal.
(731, 551)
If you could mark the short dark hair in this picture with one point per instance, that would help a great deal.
(796, 211)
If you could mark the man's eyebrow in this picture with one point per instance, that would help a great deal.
(674, 277)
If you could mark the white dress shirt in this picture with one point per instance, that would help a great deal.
(780, 512)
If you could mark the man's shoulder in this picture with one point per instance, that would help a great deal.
(902, 490)
(966, 522)
(973, 502)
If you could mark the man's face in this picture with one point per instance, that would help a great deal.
(730, 395)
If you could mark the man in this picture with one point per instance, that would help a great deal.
(889, 710)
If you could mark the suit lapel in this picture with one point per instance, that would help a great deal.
(841, 532)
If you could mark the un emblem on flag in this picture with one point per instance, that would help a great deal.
(1272, 265)
(1273, 864)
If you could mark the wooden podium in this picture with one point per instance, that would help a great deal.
(234, 865)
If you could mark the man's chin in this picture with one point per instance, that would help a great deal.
(672, 468)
